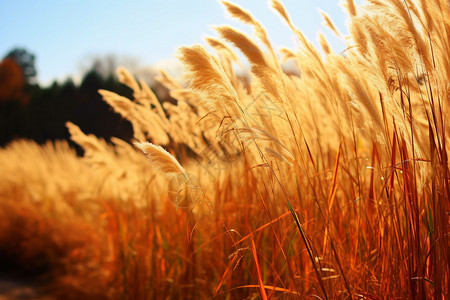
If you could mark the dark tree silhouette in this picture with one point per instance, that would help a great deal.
(26, 61)
(43, 116)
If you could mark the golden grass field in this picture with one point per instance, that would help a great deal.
(331, 181)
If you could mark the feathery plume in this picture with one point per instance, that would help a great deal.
(324, 44)
(208, 78)
(126, 78)
(161, 160)
(349, 5)
(247, 18)
(328, 23)
(220, 46)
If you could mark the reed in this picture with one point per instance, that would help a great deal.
(328, 184)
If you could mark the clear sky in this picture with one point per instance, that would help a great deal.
(64, 33)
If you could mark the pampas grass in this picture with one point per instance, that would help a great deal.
(161, 160)
(330, 182)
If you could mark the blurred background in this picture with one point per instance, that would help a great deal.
(55, 55)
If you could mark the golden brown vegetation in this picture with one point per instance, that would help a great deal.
(331, 184)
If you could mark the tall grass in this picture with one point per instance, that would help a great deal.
(328, 184)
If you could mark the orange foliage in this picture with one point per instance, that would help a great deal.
(12, 80)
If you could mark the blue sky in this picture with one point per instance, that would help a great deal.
(64, 33)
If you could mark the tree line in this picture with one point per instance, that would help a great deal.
(30, 111)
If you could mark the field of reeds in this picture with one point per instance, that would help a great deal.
(329, 181)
